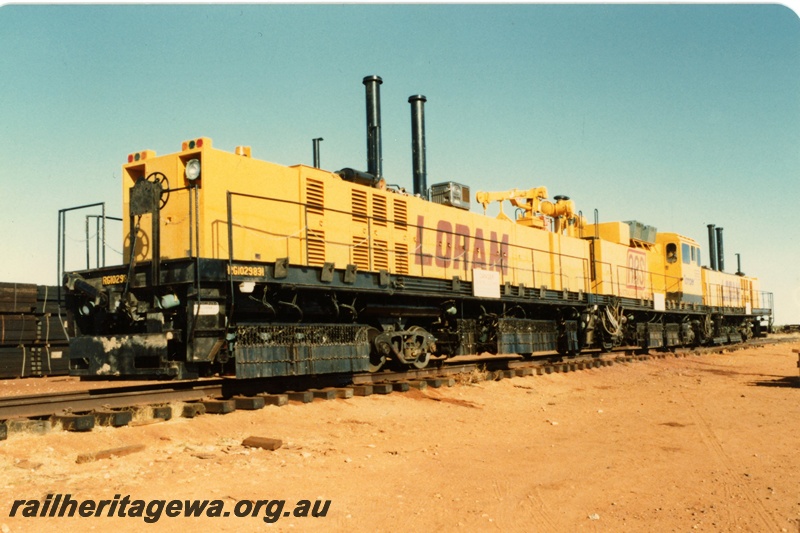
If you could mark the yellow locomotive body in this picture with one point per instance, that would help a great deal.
(625, 267)
(260, 269)
(314, 217)
(723, 290)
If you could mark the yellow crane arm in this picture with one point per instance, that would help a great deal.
(515, 196)
(533, 202)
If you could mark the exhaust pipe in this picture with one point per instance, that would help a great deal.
(374, 157)
(712, 247)
(418, 145)
(720, 256)
(316, 151)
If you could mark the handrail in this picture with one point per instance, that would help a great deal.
(407, 226)
(611, 275)
(61, 253)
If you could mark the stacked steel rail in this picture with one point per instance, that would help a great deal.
(34, 338)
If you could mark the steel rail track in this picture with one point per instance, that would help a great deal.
(127, 396)
(37, 405)
(413, 374)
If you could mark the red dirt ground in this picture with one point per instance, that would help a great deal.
(706, 443)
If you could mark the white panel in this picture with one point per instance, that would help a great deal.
(659, 301)
(485, 283)
(211, 308)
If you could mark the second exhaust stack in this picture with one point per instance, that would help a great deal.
(418, 145)
(720, 251)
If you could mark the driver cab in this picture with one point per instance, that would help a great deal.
(681, 268)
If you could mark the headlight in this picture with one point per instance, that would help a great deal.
(168, 301)
(86, 309)
(193, 169)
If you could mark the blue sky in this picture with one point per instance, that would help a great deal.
(674, 115)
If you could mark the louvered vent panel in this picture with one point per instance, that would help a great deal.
(400, 214)
(380, 255)
(361, 252)
(315, 196)
(379, 210)
(401, 258)
(316, 248)
(359, 207)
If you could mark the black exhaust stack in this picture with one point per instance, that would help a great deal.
(316, 151)
(720, 256)
(712, 247)
(374, 157)
(418, 144)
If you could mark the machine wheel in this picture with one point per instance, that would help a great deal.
(376, 356)
(422, 360)
(161, 179)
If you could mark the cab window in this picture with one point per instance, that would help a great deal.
(672, 252)
(696, 255)
(687, 260)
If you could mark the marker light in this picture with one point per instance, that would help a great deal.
(193, 169)
(140, 156)
(196, 143)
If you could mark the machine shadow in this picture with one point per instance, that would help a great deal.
(785, 382)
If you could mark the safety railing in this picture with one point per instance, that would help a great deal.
(621, 280)
(372, 253)
(100, 243)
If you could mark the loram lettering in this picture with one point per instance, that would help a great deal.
(456, 247)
